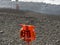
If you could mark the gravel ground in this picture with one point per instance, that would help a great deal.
(47, 28)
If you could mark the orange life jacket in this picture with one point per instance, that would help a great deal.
(27, 32)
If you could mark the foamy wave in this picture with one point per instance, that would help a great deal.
(57, 2)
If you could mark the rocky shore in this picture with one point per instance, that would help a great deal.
(47, 27)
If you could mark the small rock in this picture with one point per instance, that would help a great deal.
(58, 42)
(1, 31)
(20, 44)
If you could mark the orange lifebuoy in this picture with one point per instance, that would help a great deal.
(27, 33)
